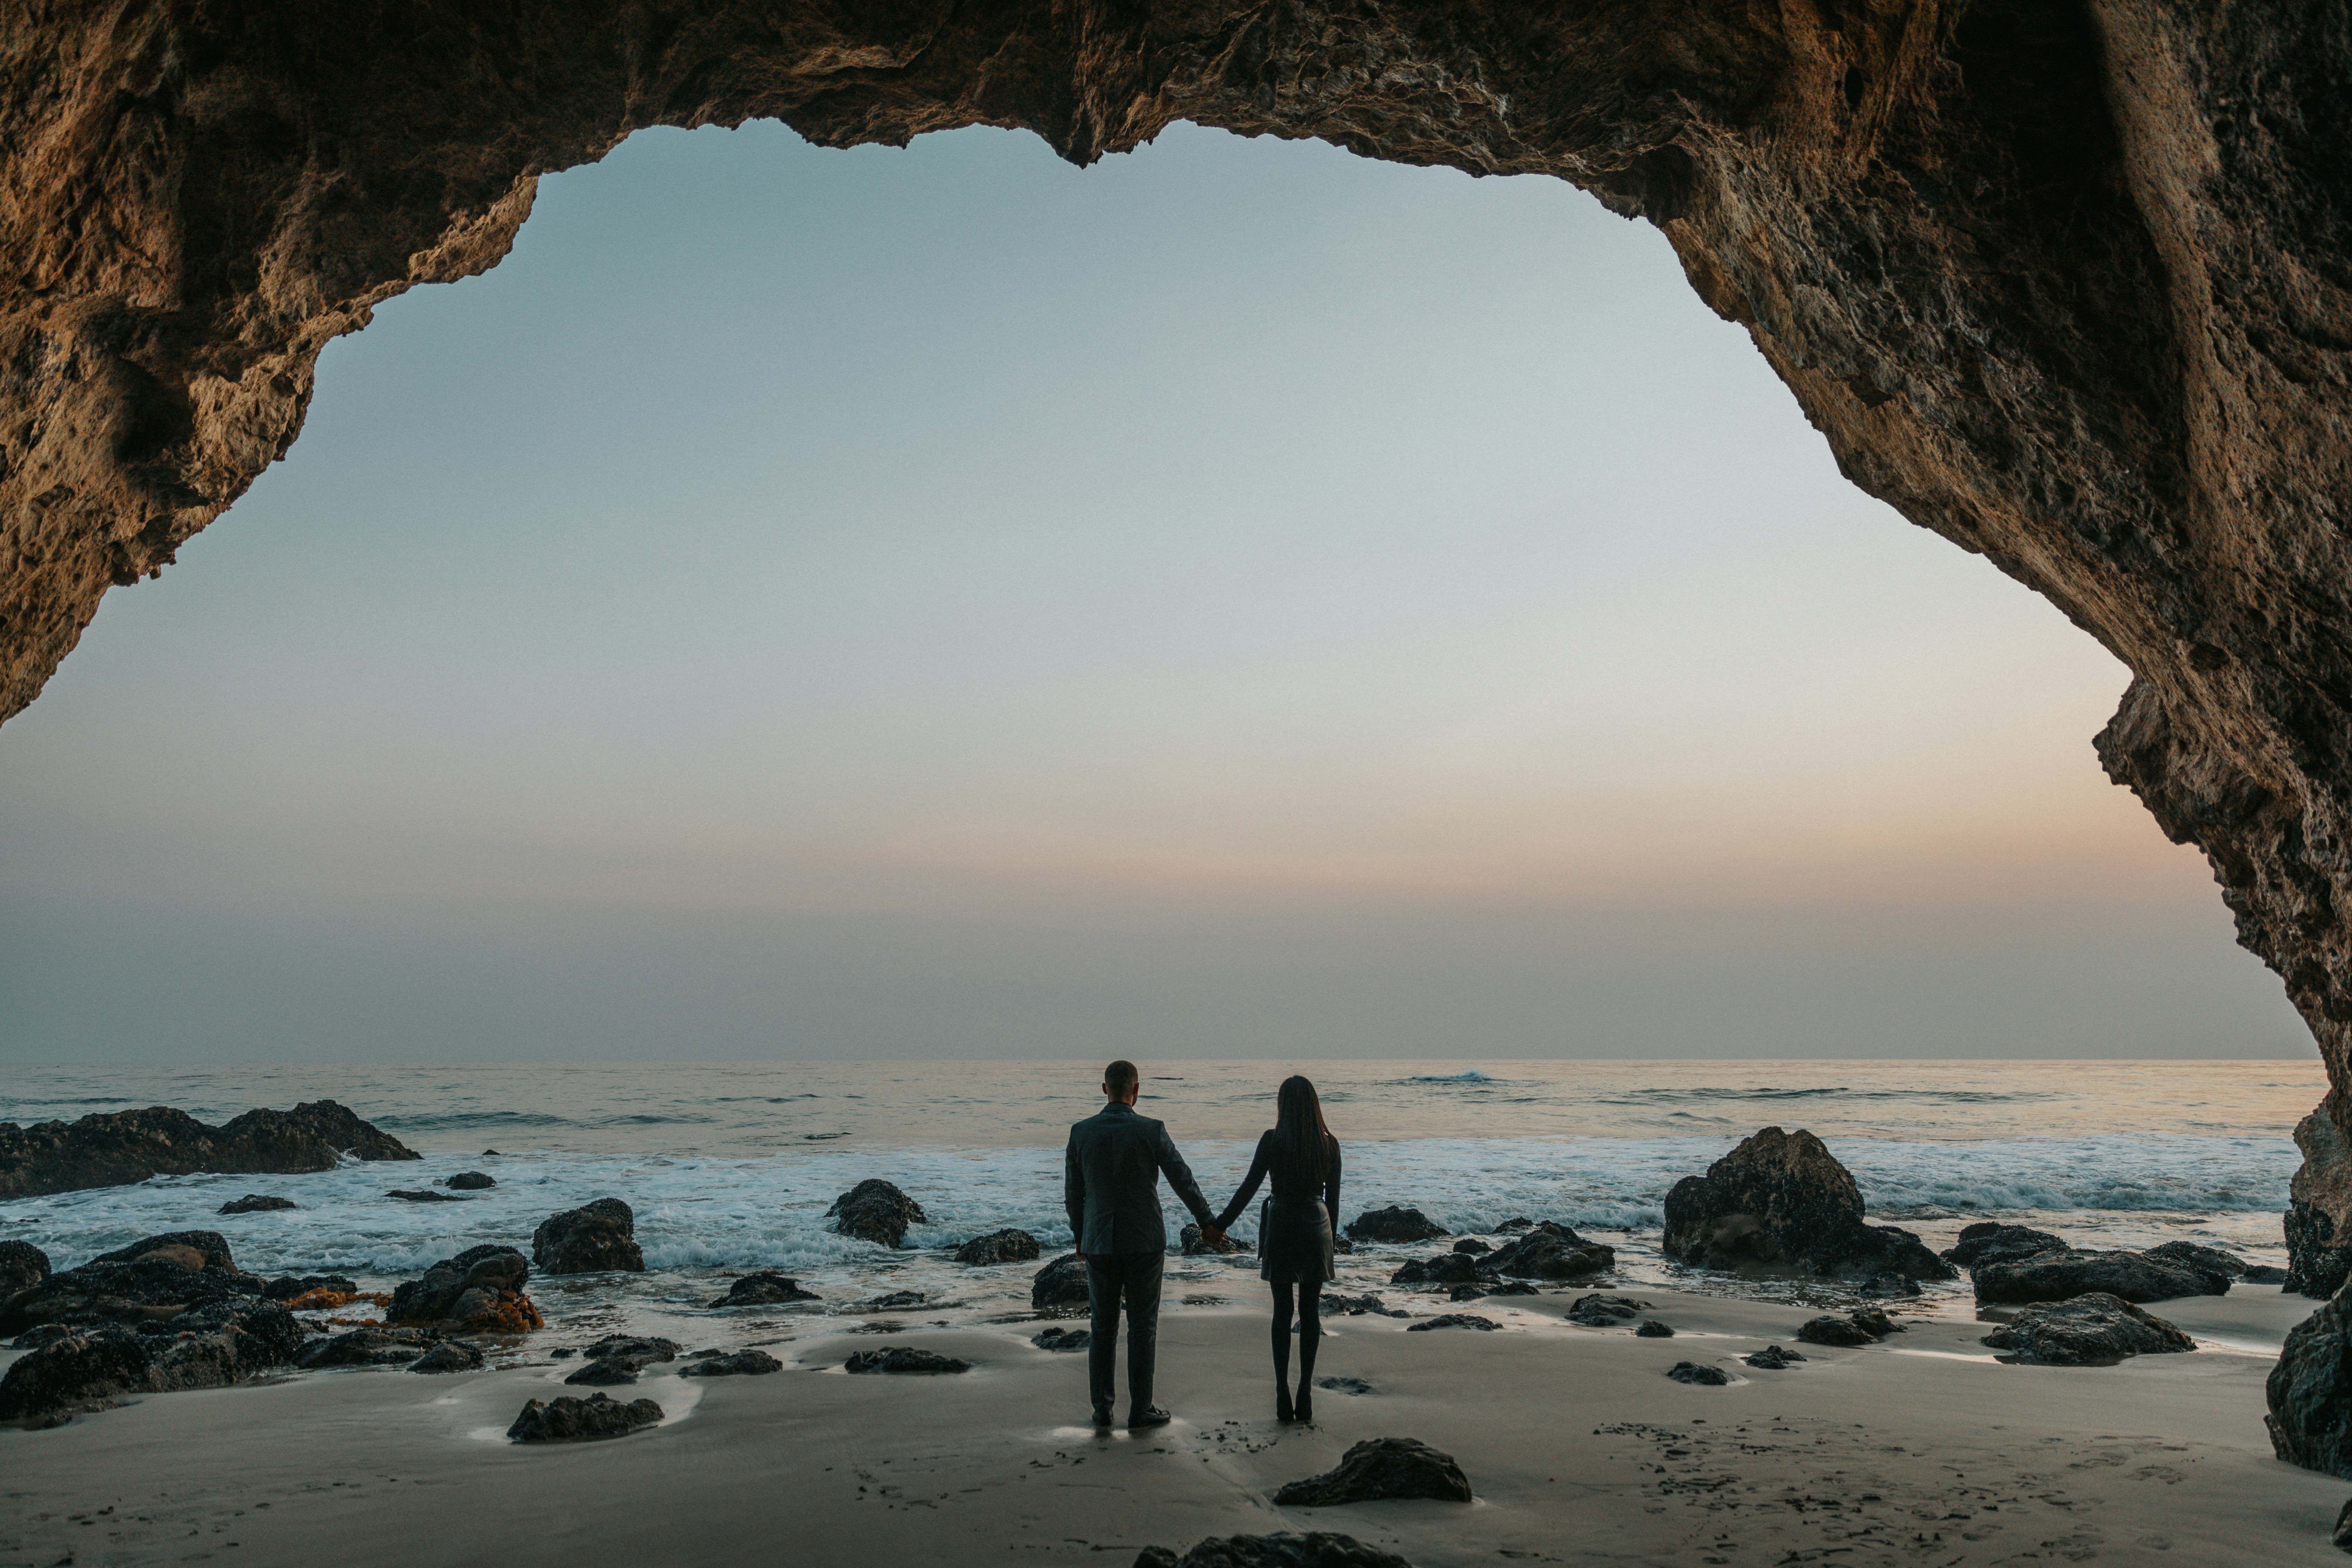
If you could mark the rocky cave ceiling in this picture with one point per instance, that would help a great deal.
(2067, 281)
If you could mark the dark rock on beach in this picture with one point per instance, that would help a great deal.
(1318, 1550)
(449, 1355)
(1494, 1288)
(1193, 1244)
(1395, 1226)
(1692, 1372)
(367, 1347)
(1772, 1358)
(643, 1347)
(1605, 1311)
(2310, 1392)
(608, 1372)
(597, 1237)
(1551, 1251)
(471, 1182)
(742, 1363)
(1471, 1244)
(2056, 1275)
(1988, 1242)
(480, 1289)
(902, 1359)
(1061, 1283)
(256, 1203)
(1063, 1340)
(151, 1281)
(1357, 1305)
(896, 1302)
(116, 1147)
(570, 1420)
(421, 1195)
(1651, 1328)
(1000, 1246)
(1381, 1468)
(326, 1288)
(2212, 1259)
(875, 1211)
(206, 1347)
(764, 1288)
(1445, 1268)
(1890, 1283)
(1828, 1330)
(22, 1266)
(1780, 1202)
(1347, 1385)
(1453, 1320)
(2084, 1331)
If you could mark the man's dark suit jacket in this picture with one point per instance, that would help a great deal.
(1110, 1182)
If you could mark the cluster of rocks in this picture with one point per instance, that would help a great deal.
(114, 1149)
(1543, 1250)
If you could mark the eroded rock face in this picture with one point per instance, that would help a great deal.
(1781, 1202)
(2059, 282)
(117, 1148)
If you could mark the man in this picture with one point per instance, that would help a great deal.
(1110, 1186)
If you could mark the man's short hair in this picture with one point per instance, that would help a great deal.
(1121, 1077)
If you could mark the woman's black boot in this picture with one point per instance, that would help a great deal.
(1282, 1400)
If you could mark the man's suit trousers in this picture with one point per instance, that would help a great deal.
(1132, 1277)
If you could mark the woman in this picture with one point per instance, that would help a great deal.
(1294, 1232)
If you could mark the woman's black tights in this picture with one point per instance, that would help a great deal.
(1308, 1303)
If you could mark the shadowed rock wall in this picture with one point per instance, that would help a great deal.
(2066, 282)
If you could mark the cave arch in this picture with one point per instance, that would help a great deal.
(2063, 282)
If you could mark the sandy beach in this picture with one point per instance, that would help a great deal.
(1923, 1449)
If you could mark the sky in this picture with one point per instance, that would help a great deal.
(1236, 600)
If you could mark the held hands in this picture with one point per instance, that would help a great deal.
(1214, 1235)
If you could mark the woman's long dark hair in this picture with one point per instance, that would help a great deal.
(1298, 1124)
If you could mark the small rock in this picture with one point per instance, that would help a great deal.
(1359, 1306)
(1494, 1288)
(256, 1203)
(1381, 1468)
(765, 1289)
(2264, 1274)
(291, 1287)
(599, 1237)
(1344, 1385)
(904, 1358)
(1604, 1311)
(1692, 1372)
(449, 1355)
(606, 1372)
(1063, 1340)
(1471, 1244)
(1453, 1320)
(422, 1196)
(1890, 1284)
(1873, 1322)
(1193, 1244)
(491, 1154)
(1511, 1226)
(566, 1353)
(1827, 1330)
(1651, 1328)
(1445, 1268)
(643, 1347)
(742, 1363)
(1395, 1226)
(875, 1211)
(999, 1246)
(367, 1347)
(1318, 1550)
(1772, 1358)
(2084, 1330)
(1061, 1283)
(570, 1420)
(471, 1182)
(896, 1302)
(1549, 1250)
(1988, 1242)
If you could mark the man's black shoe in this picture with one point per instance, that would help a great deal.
(1155, 1416)
(1102, 1416)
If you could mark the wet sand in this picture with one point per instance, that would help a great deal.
(1921, 1450)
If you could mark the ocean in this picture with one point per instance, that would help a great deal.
(730, 1167)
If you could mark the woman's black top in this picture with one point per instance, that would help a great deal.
(1295, 1230)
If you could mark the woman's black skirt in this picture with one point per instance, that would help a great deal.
(1294, 1242)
